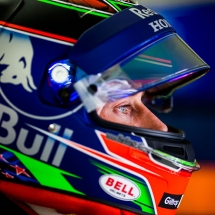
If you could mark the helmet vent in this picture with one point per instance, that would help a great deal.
(175, 151)
(164, 161)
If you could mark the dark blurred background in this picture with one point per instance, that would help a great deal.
(194, 104)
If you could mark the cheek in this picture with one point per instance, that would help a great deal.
(107, 114)
(137, 120)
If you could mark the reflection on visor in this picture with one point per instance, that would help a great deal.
(169, 63)
(96, 91)
(163, 61)
(154, 60)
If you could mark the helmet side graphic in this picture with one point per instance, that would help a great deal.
(18, 70)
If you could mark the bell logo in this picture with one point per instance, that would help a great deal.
(119, 187)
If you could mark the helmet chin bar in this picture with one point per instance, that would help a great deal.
(169, 148)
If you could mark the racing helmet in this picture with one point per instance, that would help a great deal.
(61, 62)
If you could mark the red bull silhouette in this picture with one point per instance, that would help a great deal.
(18, 70)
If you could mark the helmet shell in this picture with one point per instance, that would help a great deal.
(58, 151)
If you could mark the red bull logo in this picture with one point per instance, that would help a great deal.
(22, 58)
(119, 187)
(18, 70)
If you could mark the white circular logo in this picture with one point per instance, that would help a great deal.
(119, 187)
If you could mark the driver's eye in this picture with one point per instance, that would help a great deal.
(126, 109)
(123, 109)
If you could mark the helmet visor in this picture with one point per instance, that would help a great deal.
(158, 69)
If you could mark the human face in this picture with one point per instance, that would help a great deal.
(131, 111)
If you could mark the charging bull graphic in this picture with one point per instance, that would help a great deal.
(18, 62)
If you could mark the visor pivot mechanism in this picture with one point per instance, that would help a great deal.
(92, 89)
(61, 76)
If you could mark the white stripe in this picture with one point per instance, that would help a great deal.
(43, 210)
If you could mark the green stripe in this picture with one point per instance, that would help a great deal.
(45, 174)
(71, 7)
(144, 201)
(178, 160)
(119, 3)
(113, 171)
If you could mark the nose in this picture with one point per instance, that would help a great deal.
(153, 122)
(145, 118)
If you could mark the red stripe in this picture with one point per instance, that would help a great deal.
(37, 32)
(156, 59)
(64, 203)
(2, 23)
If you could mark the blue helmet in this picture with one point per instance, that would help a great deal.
(61, 63)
